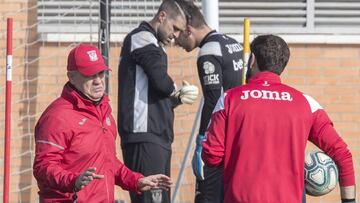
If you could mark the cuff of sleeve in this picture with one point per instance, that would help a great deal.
(69, 184)
(137, 189)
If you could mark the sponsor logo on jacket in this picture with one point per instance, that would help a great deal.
(232, 48)
(266, 94)
(210, 78)
(238, 65)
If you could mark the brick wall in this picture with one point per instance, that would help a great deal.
(329, 73)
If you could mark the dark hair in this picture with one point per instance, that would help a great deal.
(193, 14)
(271, 52)
(173, 8)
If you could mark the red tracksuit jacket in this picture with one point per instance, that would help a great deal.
(71, 136)
(259, 132)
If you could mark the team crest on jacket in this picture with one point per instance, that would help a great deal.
(82, 121)
(266, 94)
(156, 195)
(107, 121)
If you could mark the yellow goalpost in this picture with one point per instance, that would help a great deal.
(246, 51)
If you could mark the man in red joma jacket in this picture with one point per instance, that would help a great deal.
(75, 140)
(259, 131)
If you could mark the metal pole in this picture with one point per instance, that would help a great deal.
(104, 35)
(188, 151)
(8, 110)
(246, 52)
(210, 10)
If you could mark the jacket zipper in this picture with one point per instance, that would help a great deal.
(98, 109)
(103, 129)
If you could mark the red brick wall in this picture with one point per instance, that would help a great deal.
(329, 73)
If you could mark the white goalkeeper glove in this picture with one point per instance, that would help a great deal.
(188, 93)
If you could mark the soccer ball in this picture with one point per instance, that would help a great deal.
(321, 173)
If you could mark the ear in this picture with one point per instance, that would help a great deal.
(162, 16)
(70, 76)
(189, 29)
(252, 60)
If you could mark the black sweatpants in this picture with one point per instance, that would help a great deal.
(211, 189)
(148, 159)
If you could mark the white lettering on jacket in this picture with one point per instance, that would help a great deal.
(232, 48)
(238, 65)
(211, 79)
(266, 94)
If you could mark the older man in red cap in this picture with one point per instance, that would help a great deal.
(75, 140)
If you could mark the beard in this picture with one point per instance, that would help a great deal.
(163, 39)
(163, 35)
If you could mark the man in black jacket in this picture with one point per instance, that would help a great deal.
(147, 96)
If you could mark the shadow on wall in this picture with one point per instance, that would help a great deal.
(28, 105)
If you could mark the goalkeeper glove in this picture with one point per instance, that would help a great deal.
(188, 93)
(197, 163)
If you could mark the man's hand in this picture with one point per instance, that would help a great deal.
(86, 177)
(197, 163)
(154, 181)
(174, 97)
(188, 93)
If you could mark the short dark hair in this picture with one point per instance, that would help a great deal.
(173, 8)
(271, 52)
(194, 17)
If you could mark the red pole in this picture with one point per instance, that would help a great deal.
(8, 110)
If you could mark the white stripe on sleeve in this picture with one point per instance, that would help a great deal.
(50, 143)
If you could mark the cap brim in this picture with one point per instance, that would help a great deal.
(93, 70)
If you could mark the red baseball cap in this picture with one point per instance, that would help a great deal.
(86, 59)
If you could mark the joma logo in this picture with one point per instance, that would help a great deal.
(265, 94)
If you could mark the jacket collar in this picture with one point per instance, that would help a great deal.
(148, 27)
(204, 40)
(69, 93)
(269, 77)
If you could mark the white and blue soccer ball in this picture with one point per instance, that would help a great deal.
(321, 173)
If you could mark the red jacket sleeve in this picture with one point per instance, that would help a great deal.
(324, 136)
(125, 178)
(49, 149)
(214, 143)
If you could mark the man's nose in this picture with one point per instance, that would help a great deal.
(97, 78)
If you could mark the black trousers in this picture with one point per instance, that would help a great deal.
(148, 159)
(211, 189)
